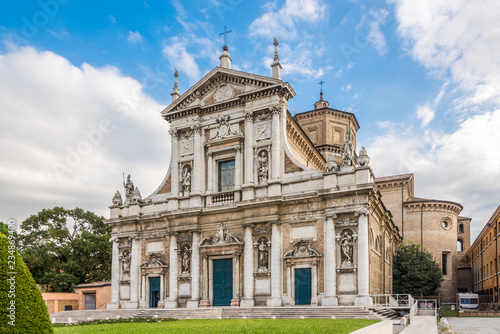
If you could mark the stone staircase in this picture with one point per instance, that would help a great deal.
(387, 313)
(294, 312)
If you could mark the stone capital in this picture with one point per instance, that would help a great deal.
(172, 233)
(330, 215)
(363, 211)
(251, 225)
(277, 222)
(196, 129)
(249, 116)
(276, 110)
(173, 132)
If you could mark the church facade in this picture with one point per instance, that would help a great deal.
(252, 211)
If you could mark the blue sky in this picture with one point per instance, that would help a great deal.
(82, 86)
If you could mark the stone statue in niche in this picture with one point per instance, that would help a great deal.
(186, 180)
(125, 263)
(262, 166)
(263, 254)
(346, 248)
(186, 259)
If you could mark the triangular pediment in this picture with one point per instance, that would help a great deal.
(219, 86)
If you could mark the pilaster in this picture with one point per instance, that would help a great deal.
(248, 190)
(248, 264)
(276, 273)
(115, 275)
(363, 297)
(135, 263)
(174, 273)
(195, 272)
(330, 278)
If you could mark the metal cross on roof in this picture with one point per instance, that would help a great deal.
(225, 34)
(321, 83)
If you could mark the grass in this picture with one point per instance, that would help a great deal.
(229, 326)
(450, 313)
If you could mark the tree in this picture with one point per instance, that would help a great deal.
(66, 246)
(4, 229)
(22, 309)
(415, 272)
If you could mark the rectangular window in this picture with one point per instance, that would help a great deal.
(226, 175)
(444, 262)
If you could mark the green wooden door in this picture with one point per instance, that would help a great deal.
(303, 286)
(223, 282)
(154, 291)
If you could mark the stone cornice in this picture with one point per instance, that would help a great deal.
(433, 205)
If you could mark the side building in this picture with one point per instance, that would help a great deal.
(484, 257)
(250, 213)
(435, 225)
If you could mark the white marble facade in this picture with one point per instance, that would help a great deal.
(238, 189)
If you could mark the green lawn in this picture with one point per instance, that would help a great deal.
(286, 326)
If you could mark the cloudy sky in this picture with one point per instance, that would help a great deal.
(82, 86)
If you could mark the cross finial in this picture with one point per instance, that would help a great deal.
(225, 35)
(321, 83)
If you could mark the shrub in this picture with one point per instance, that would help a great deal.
(22, 309)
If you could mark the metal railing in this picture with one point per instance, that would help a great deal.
(395, 301)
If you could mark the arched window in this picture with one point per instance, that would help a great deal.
(371, 238)
(461, 228)
(460, 245)
(377, 245)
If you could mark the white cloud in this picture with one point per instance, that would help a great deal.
(426, 114)
(377, 39)
(461, 166)
(184, 51)
(460, 40)
(67, 133)
(384, 124)
(134, 37)
(300, 60)
(459, 43)
(346, 88)
(373, 23)
(282, 22)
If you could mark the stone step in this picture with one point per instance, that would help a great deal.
(294, 312)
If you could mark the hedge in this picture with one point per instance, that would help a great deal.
(22, 309)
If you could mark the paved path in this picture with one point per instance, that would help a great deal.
(468, 325)
(422, 324)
